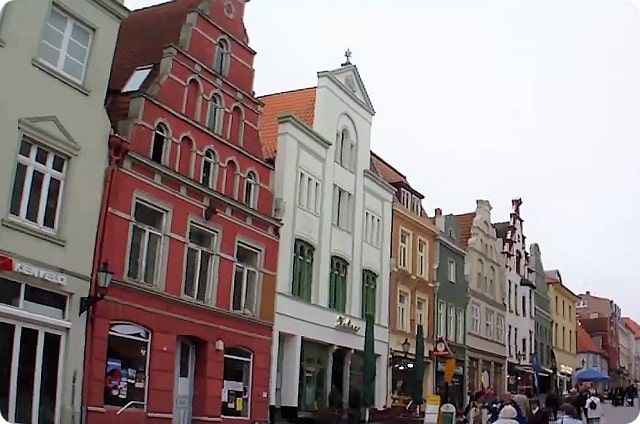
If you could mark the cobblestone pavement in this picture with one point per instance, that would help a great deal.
(620, 414)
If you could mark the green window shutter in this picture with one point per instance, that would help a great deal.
(302, 270)
(332, 287)
(342, 288)
(295, 284)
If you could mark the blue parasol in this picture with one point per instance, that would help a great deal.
(590, 374)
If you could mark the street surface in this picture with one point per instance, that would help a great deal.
(620, 414)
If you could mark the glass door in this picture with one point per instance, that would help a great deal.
(30, 386)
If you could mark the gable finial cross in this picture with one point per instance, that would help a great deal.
(347, 55)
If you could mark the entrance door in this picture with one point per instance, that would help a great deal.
(31, 373)
(185, 367)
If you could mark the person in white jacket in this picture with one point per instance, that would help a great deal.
(595, 412)
(507, 415)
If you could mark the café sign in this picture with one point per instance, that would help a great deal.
(346, 324)
(45, 274)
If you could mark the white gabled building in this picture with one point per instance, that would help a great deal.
(334, 244)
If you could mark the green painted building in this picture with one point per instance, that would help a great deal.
(452, 297)
(542, 348)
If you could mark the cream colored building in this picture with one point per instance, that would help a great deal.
(563, 312)
(55, 59)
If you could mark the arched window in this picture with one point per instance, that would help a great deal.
(302, 279)
(237, 371)
(216, 114)
(492, 280)
(160, 144)
(209, 169)
(127, 357)
(186, 156)
(230, 179)
(251, 190)
(236, 127)
(345, 149)
(369, 288)
(338, 284)
(222, 56)
(192, 102)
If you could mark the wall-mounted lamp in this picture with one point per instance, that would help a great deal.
(104, 281)
(219, 345)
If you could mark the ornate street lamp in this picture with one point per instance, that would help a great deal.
(104, 281)
(405, 347)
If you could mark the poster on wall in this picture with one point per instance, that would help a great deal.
(114, 376)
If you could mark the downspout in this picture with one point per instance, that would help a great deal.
(117, 150)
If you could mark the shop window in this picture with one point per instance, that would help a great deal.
(245, 282)
(199, 275)
(369, 284)
(126, 369)
(37, 186)
(236, 389)
(338, 284)
(302, 270)
(146, 243)
(33, 299)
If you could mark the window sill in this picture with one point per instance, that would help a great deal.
(32, 231)
(60, 77)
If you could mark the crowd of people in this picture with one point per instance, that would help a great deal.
(580, 405)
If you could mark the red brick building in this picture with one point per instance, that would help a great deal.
(184, 331)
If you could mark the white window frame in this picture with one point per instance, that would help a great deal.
(460, 326)
(476, 313)
(405, 198)
(423, 259)
(250, 361)
(222, 56)
(309, 192)
(252, 187)
(422, 317)
(415, 205)
(66, 36)
(342, 204)
(452, 271)
(451, 322)
(247, 269)
(442, 321)
(500, 328)
(213, 173)
(145, 242)
(211, 272)
(372, 225)
(403, 310)
(216, 114)
(48, 173)
(489, 323)
(404, 250)
(345, 152)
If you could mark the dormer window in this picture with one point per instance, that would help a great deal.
(405, 198)
(415, 205)
(222, 57)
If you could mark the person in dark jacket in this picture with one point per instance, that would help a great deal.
(538, 414)
(552, 403)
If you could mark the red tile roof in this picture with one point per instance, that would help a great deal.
(386, 171)
(633, 326)
(465, 222)
(585, 342)
(143, 36)
(301, 103)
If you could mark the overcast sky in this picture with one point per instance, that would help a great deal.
(492, 99)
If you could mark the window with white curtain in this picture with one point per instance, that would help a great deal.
(245, 281)
(146, 243)
(199, 275)
(404, 255)
(423, 258)
(251, 190)
(403, 310)
(451, 328)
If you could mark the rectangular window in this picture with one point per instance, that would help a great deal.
(338, 284)
(146, 243)
(302, 270)
(423, 261)
(236, 398)
(452, 270)
(404, 256)
(37, 187)
(308, 192)
(199, 275)
(341, 208)
(245, 280)
(510, 308)
(369, 287)
(403, 310)
(451, 327)
(405, 198)
(509, 340)
(65, 45)
(500, 328)
(460, 326)
(415, 205)
(475, 318)
(372, 225)
(442, 331)
(489, 317)
(422, 313)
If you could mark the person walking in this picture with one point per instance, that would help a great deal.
(595, 412)
(569, 415)
(508, 415)
(539, 415)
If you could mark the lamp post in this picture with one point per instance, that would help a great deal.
(104, 281)
(405, 347)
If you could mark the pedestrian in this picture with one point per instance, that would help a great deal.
(507, 415)
(538, 414)
(569, 415)
(523, 408)
(595, 411)
(552, 404)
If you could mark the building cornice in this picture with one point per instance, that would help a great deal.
(115, 8)
(202, 189)
(289, 118)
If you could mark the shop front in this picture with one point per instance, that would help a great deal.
(565, 374)
(520, 379)
(403, 377)
(485, 372)
(41, 343)
(452, 391)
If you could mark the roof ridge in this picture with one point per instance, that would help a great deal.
(151, 6)
(287, 92)
(387, 163)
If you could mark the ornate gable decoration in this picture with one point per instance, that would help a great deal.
(49, 131)
(349, 77)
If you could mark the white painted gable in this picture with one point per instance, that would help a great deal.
(349, 76)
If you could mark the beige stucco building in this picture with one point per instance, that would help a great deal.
(563, 312)
(56, 58)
